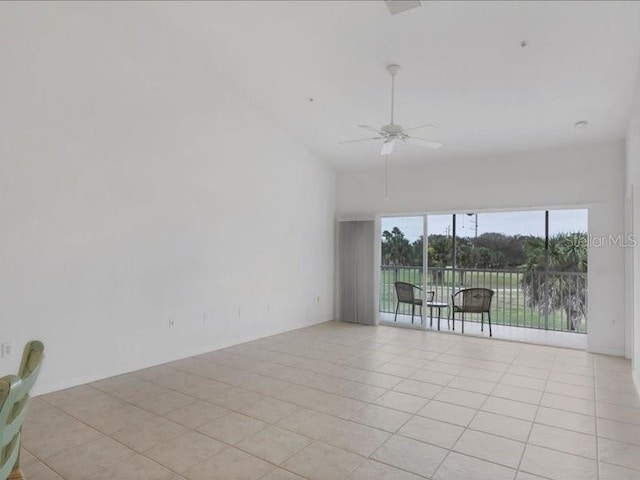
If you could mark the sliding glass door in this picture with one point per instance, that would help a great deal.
(401, 294)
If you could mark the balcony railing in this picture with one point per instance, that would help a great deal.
(541, 300)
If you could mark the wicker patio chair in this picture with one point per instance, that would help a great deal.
(406, 294)
(14, 397)
(472, 300)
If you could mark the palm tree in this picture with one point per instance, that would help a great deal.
(563, 288)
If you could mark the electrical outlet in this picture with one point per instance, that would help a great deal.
(172, 323)
(6, 350)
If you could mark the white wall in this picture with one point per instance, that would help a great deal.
(136, 186)
(633, 184)
(591, 176)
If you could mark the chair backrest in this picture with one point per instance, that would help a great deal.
(475, 300)
(14, 396)
(430, 296)
(404, 291)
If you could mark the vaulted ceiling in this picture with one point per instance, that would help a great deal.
(463, 68)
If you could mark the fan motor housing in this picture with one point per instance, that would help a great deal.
(392, 129)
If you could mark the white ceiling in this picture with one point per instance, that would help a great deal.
(462, 66)
(463, 69)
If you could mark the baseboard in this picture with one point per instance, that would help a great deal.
(42, 389)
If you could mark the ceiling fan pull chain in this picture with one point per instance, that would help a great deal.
(393, 89)
(386, 177)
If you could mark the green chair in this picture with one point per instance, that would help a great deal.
(14, 397)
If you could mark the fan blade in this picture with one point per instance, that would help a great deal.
(429, 125)
(360, 140)
(387, 147)
(371, 129)
(423, 142)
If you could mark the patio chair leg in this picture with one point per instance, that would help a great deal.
(489, 314)
(462, 322)
(413, 311)
(431, 316)
(482, 322)
(395, 319)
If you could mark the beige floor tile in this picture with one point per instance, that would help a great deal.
(490, 447)
(586, 393)
(431, 431)
(279, 474)
(274, 444)
(380, 417)
(235, 398)
(619, 431)
(563, 440)
(372, 470)
(185, 451)
(557, 465)
(411, 455)
(461, 397)
(525, 371)
(571, 404)
(444, 367)
(266, 385)
(68, 432)
(197, 414)
(378, 380)
(148, 434)
(527, 476)
(618, 413)
(165, 402)
(518, 394)
(356, 438)
(397, 369)
(462, 467)
(93, 457)
(567, 420)
(319, 461)
(523, 381)
(270, 410)
(472, 385)
(510, 408)
(430, 376)
(205, 389)
(39, 471)
(619, 453)
(230, 464)
(123, 416)
(134, 468)
(481, 374)
(417, 388)
(401, 401)
(360, 391)
(618, 398)
(571, 379)
(232, 428)
(448, 412)
(309, 423)
(614, 472)
(500, 425)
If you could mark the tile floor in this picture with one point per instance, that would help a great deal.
(340, 401)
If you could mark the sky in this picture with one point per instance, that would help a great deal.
(509, 223)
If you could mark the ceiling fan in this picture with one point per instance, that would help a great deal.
(393, 133)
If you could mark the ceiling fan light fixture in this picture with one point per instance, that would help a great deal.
(387, 147)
